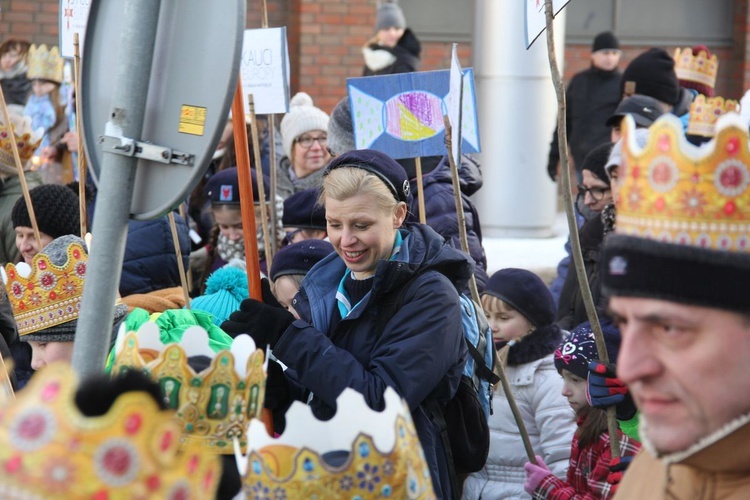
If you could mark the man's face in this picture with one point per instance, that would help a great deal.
(606, 60)
(596, 193)
(686, 367)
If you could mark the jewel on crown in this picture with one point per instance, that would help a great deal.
(43, 294)
(678, 193)
(45, 63)
(49, 449)
(359, 453)
(700, 69)
(704, 111)
(214, 404)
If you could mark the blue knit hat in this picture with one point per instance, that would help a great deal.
(302, 210)
(525, 292)
(299, 258)
(379, 164)
(226, 288)
(575, 353)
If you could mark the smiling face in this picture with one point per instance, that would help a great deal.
(26, 242)
(362, 233)
(686, 367)
(310, 153)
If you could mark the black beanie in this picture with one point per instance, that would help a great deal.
(597, 159)
(56, 210)
(605, 41)
(340, 128)
(652, 74)
(525, 292)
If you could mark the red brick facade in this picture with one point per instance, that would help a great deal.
(325, 39)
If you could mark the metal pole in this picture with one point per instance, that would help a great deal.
(117, 178)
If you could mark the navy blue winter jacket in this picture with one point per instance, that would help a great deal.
(420, 352)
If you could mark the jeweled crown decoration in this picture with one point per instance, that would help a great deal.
(359, 453)
(50, 450)
(43, 294)
(27, 141)
(678, 193)
(700, 69)
(215, 404)
(45, 63)
(704, 111)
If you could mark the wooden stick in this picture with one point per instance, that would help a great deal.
(272, 171)
(583, 283)
(461, 220)
(188, 275)
(19, 168)
(180, 265)
(6, 388)
(420, 191)
(261, 183)
(79, 129)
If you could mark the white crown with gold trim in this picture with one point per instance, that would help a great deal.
(45, 63)
(50, 450)
(700, 69)
(675, 192)
(360, 453)
(215, 404)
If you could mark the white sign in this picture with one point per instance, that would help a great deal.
(264, 69)
(74, 15)
(455, 98)
(536, 21)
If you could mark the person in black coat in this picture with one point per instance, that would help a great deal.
(394, 48)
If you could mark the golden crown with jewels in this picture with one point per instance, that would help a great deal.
(43, 294)
(26, 139)
(678, 193)
(49, 449)
(700, 69)
(45, 63)
(359, 453)
(704, 111)
(214, 404)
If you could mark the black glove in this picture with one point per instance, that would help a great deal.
(277, 388)
(605, 389)
(264, 321)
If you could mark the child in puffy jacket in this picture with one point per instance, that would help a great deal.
(591, 474)
(521, 311)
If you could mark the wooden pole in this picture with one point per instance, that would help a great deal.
(79, 129)
(180, 265)
(188, 275)
(272, 171)
(261, 182)
(580, 270)
(420, 191)
(19, 168)
(6, 388)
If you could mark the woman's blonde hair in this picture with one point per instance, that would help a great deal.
(345, 182)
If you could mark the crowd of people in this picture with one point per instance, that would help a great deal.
(661, 169)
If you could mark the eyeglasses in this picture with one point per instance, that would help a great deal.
(306, 141)
(597, 193)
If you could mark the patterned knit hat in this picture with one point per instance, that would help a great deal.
(55, 207)
(575, 353)
(303, 117)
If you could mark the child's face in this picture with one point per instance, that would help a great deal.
(507, 324)
(574, 388)
(10, 59)
(284, 288)
(42, 87)
(229, 220)
(44, 353)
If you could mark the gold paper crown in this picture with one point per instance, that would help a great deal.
(45, 64)
(27, 140)
(379, 454)
(700, 69)
(44, 295)
(214, 405)
(678, 193)
(48, 449)
(705, 111)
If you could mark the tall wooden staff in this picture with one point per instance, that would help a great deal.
(261, 183)
(271, 160)
(79, 128)
(420, 191)
(583, 282)
(461, 220)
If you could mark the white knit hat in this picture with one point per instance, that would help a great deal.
(302, 117)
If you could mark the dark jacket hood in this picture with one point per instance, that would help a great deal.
(469, 175)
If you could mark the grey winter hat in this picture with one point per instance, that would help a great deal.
(341, 128)
(389, 15)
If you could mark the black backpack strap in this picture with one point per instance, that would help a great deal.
(479, 365)
(436, 414)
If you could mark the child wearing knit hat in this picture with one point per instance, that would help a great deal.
(590, 455)
(521, 311)
(291, 264)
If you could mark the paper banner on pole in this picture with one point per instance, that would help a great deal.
(536, 21)
(265, 70)
(402, 115)
(455, 100)
(74, 14)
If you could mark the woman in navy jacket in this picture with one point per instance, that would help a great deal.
(339, 340)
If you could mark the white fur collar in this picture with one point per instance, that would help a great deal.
(377, 59)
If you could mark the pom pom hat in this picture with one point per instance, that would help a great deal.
(226, 288)
(302, 117)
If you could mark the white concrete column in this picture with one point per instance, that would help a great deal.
(517, 114)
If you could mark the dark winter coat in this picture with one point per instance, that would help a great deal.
(420, 352)
(16, 88)
(440, 208)
(592, 97)
(380, 60)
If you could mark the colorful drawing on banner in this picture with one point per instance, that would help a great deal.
(402, 115)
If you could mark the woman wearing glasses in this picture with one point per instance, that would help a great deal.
(304, 136)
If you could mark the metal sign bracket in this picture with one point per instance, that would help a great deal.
(128, 147)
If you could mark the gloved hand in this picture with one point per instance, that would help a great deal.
(277, 388)
(535, 474)
(617, 468)
(605, 389)
(264, 321)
